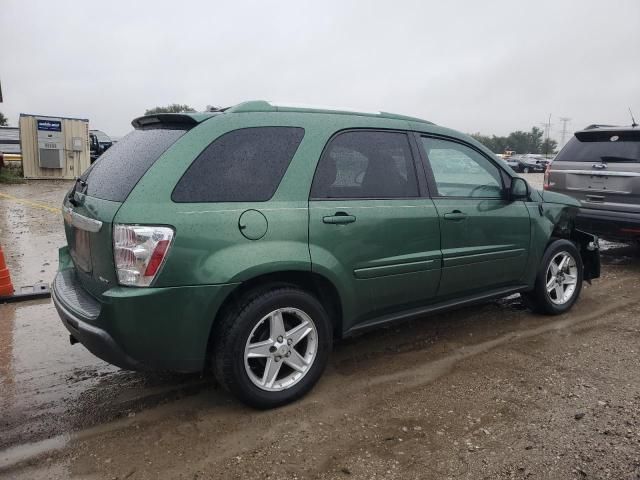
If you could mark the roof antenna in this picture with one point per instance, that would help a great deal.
(633, 120)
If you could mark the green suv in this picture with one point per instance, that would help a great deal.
(246, 240)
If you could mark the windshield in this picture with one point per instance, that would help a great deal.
(601, 150)
(118, 170)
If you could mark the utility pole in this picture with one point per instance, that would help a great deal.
(563, 135)
(547, 132)
(545, 127)
(546, 146)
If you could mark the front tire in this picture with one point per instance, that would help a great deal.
(272, 348)
(559, 280)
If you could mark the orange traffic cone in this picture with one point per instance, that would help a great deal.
(6, 287)
(8, 293)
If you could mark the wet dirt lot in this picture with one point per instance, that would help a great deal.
(491, 391)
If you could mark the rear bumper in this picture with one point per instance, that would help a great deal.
(141, 328)
(609, 224)
(533, 168)
(96, 340)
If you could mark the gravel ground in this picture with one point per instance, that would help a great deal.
(488, 392)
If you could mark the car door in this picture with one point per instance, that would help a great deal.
(485, 237)
(372, 229)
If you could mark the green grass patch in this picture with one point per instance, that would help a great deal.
(11, 175)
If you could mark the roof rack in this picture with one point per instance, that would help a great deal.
(268, 106)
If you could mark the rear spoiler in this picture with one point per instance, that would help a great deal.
(164, 120)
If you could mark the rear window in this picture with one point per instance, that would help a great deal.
(118, 170)
(244, 165)
(602, 147)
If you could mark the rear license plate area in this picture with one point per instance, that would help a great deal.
(598, 182)
(81, 250)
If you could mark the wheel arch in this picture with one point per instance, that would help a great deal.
(586, 243)
(312, 282)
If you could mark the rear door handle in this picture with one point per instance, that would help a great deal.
(455, 215)
(339, 218)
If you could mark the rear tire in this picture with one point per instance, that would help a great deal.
(272, 347)
(559, 280)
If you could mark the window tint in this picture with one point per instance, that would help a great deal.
(244, 165)
(460, 171)
(118, 170)
(366, 164)
(595, 149)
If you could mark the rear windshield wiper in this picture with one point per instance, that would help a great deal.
(619, 159)
(72, 193)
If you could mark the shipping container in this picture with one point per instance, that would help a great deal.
(54, 147)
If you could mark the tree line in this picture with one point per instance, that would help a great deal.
(519, 141)
(173, 108)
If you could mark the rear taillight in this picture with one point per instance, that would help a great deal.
(139, 252)
(547, 171)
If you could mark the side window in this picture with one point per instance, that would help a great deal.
(244, 165)
(460, 171)
(366, 164)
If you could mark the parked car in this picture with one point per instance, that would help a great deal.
(247, 240)
(600, 167)
(99, 142)
(528, 163)
(513, 163)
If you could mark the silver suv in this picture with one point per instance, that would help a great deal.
(600, 167)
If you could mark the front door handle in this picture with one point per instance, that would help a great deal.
(455, 215)
(339, 218)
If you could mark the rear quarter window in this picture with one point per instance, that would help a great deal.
(243, 165)
(119, 169)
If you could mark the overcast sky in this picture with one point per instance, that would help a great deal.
(489, 67)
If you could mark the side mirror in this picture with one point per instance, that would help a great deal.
(519, 189)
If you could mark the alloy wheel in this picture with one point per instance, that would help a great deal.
(561, 278)
(281, 349)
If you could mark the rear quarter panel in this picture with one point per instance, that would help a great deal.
(209, 247)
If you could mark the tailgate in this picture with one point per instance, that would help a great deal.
(88, 228)
(614, 186)
(104, 187)
(601, 169)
